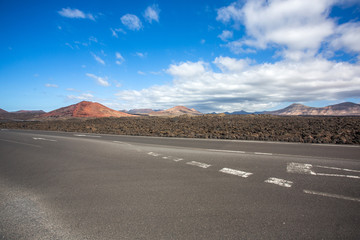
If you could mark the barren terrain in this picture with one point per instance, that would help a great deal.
(338, 130)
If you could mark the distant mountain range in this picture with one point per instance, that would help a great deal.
(176, 111)
(87, 109)
(341, 109)
(20, 115)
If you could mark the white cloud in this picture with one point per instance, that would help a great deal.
(101, 81)
(75, 13)
(347, 37)
(141, 73)
(152, 13)
(241, 86)
(140, 55)
(120, 58)
(231, 12)
(83, 96)
(98, 59)
(131, 21)
(72, 90)
(50, 85)
(226, 35)
(290, 24)
(93, 39)
(116, 31)
(227, 64)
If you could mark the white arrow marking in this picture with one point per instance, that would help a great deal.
(307, 169)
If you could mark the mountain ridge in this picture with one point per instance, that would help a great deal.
(340, 109)
(176, 111)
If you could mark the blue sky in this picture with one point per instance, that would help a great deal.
(208, 55)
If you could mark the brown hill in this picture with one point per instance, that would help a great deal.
(341, 109)
(2, 111)
(176, 111)
(85, 109)
(20, 115)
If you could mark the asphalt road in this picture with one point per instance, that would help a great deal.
(56, 185)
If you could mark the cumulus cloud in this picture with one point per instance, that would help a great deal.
(239, 85)
(101, 81)
(152, 13)
(119, 58)
(226, 35)
(75, 13)
(290, 24)
(50, 85)
(131, 21)
(98, 59)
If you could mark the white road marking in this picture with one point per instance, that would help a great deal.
(302, 168)
(236, 172)
(44, 139)
(199, 164)
(154, 154)
(84, 135)
(177, 159)
(337, 175)
(340, 169)
(165, 157)
(334, 145)
(332, 195)
(279, 181)
(261, 153)
(227, 151)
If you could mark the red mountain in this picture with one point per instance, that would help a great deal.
(176, 111)
(85, 109)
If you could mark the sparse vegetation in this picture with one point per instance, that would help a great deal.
(339, 130)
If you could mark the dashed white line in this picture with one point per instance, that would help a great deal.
(340, 169)
(261, 153)
(84, 135)
(226, 151)
(177, 159)
(236, 172)
(154, 154)
(337, 175)
(44, 139)
(331, 195)
(279, 181)
(199, 164)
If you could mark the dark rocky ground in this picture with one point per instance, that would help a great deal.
(338, 130)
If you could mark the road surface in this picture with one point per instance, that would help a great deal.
(56, 185)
